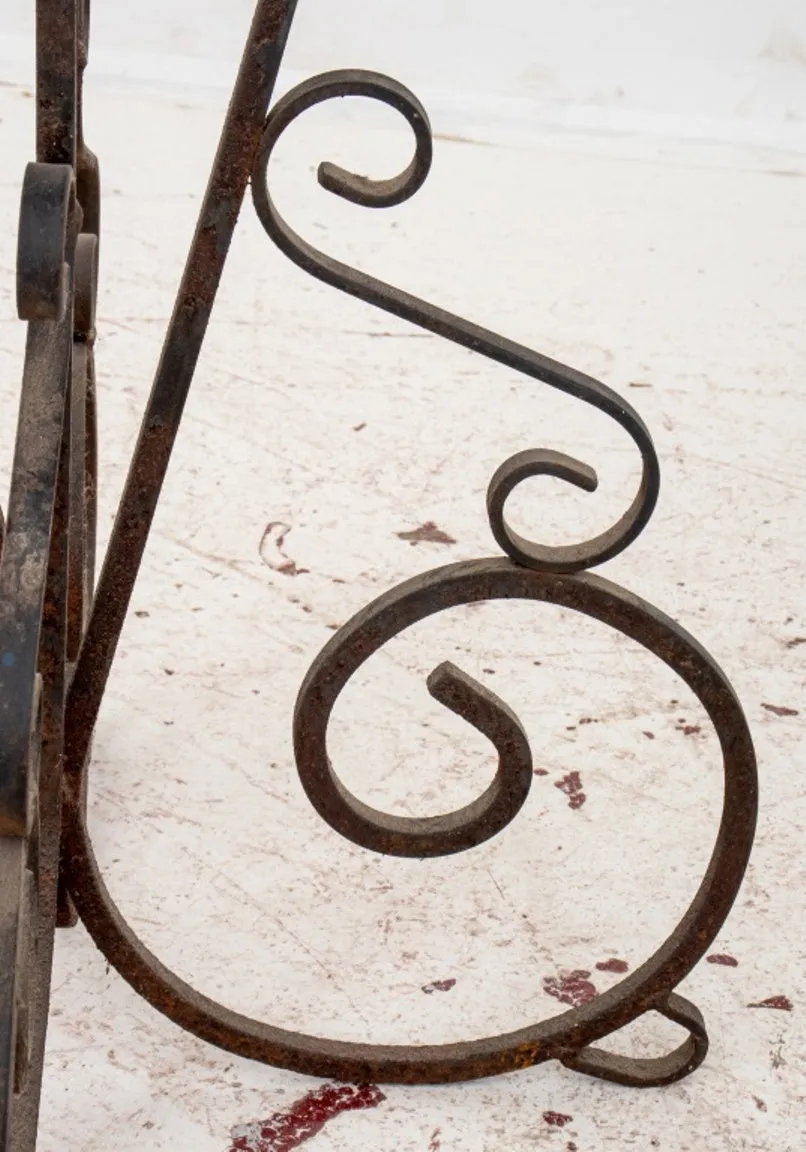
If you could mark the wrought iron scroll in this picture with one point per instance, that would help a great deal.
(58, 634)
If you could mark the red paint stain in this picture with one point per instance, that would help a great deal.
(570, 1146)
(780, 710)
(438, 986)
(435, 1143)
(691, 729)
(724, 959)
(557, 1119)
(540, 771)
(284, 1131)
(572, 988)
(613, 965)
(783, 1003)
(650, 735)
(427, 533)
(762, 1107)
(571, 785)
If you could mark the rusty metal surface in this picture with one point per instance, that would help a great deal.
(59, 632)
(383, 193)
(566, 1037)
(45, 568)
(216, 224)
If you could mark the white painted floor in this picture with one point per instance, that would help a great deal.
(677, 274)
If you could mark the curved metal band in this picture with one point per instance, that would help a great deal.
(654, 1071)
(565, 1036)
(405, 835)
(381, 194)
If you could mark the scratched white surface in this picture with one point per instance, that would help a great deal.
(677, 273)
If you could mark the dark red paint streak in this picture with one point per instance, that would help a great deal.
(780, 710)
(285, 1131)
(571, 785)
(724, 959)
(557, 1119)
(613, 965)
(427, 533)
(436, 1143)
(781, 1002)
(572, 988)
(438, 986)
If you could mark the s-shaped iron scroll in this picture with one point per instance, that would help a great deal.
(386, 193)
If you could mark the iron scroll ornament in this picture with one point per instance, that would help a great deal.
(58, 639)
(531, 571)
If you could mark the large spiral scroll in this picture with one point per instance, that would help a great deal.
(529, 571)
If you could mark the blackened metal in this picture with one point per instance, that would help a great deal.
(57, 25)
(654, 1071)
(565, 1037)
(44, 849)
(404, 835)
(382, 193)
(58, 635)
(24, 563)
(84, 450)
(33, 605)
(88, 180)
(219, 213)
(47, 193)
(34, 581)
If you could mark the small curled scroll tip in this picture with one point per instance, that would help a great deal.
(425, 836)
(488, 714)
(373, 193)
(521, 466)
(362, 190)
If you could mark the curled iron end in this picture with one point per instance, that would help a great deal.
(372, 193)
